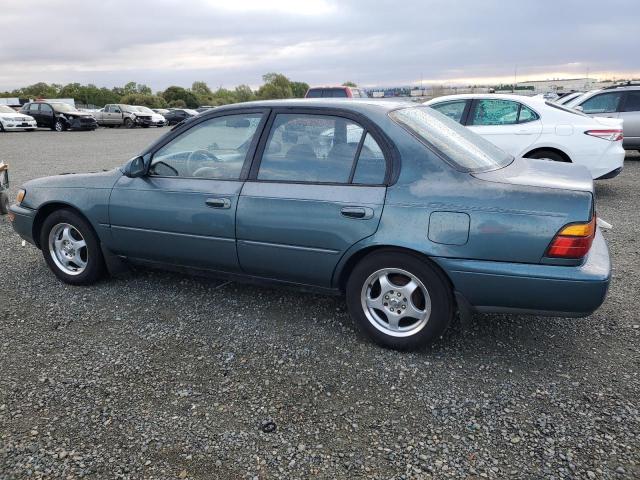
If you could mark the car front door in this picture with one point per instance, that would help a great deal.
(316, 188)
(510, 125)
(34, 111)
(46, 114)
(183, 211)
(630, 113)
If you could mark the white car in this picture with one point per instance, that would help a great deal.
(536, 128)
(157, 119)
(12, 120)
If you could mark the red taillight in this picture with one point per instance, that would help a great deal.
(573, 240)
(613, 135)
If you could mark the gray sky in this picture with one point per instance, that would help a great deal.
(383, 42)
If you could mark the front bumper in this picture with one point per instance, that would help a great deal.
(83, 123)
(8, 125)
(503, 287)
(22, 219)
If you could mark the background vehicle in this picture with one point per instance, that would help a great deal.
(161, 111)
(121, 115)
(157, 120)
(336, 92)
(568, 97)
(177, 115)
(618, 101)
(4, 188)
(204, 108)
(12, 120)
(59, 116)
(409, 226)
(534, 128)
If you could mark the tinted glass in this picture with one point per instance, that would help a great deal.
(314, 93)
(527, 115)
(34, 107)
(45, 108)
(335, 93)
(632, 103)
(371, 166)
(456, 143)
(212, 149)
(495, 112)
(602, 103)
(453, 110)
(310, 148)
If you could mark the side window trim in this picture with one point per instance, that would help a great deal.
(356, 157)
(248, 160)
(536, 115)
(388, 149)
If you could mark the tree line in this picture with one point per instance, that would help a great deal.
(275, 86)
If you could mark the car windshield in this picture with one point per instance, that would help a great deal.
(63, 107)
(144, 110)
(467, 150)
(5, 109)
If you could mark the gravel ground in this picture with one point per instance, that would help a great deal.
(159, 375)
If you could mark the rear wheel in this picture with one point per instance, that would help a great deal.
(71, 248)
(547, 155)
(399, 300)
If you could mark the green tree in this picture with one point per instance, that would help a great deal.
(276, 85)
(299, 89)
(38, 90)
(349, 84)
(177, 104)
(151, 101)
(175, 93)
(243, 93)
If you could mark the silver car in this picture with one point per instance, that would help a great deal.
(618, 101)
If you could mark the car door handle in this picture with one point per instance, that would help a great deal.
(523, 132)
(218, 202)
(363, 213)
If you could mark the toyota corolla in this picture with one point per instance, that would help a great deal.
(407, 213)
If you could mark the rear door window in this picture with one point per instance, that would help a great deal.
(371, 167)
(527, 115)
(310, 148)
(632, 102)
(602, 103)
(454, 110)
(495, 112)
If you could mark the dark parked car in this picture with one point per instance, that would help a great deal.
(177, 115)
(404, 210)
(59, 116)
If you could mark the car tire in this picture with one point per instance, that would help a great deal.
(2, 130)
(71, 248)
(128, 123)
(59, 126)
(390, 281)
(547, 155)
(4, 203)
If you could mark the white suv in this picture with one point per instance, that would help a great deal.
(12, 120)
(535, 128)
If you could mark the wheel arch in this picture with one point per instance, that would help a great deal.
(47, 209)
(560, 152)
(342, 273)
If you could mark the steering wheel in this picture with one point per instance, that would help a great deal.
(194, 160)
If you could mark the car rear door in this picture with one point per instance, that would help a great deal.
(312, 193)
(510, 125)
(630, 113)
(183, 212)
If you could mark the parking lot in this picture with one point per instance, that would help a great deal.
(159, 375)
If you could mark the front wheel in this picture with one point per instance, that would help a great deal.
(128, 123)
(4, 203)
(71, 248)
(59, 126)
(399, 299)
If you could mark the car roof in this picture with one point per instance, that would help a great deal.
(534, 101)
(358, 105)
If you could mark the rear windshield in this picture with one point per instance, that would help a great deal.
(465, 149)
(326, 93)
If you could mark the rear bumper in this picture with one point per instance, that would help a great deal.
(611, 174)
(552, 290)
(22, 220)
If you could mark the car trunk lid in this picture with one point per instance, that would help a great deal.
(541, 173)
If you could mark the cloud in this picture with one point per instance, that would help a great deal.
(163, 42)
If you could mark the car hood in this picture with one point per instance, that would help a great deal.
(77, 180)
(75, 114)
(541, 173)
(15, 115)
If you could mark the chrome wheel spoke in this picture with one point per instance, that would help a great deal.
(66, 234)
(78, 244)
(374, 302)
(408, 289)
(413, 311)
(394, 320)
(385, 284)
(79, 262)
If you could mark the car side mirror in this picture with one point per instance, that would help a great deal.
(136, 167)
(579, 108)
